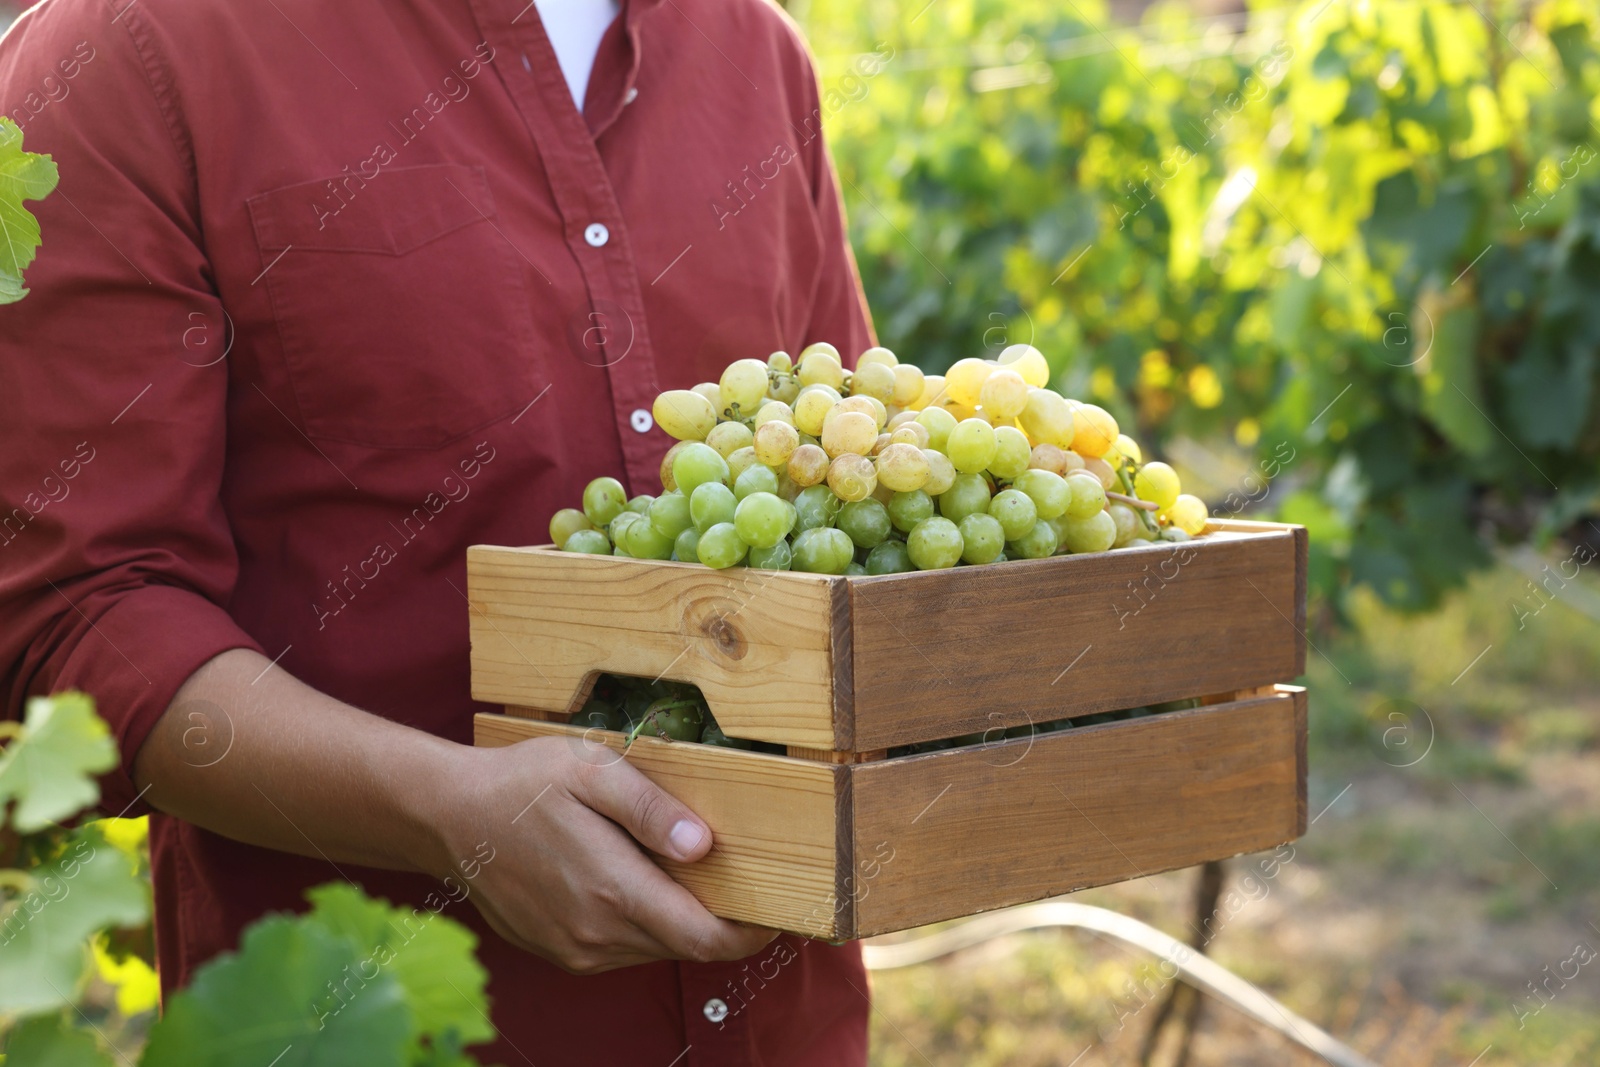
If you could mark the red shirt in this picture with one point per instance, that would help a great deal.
(330, 291)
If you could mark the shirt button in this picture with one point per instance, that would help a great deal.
(642, 422)
(596, 234)
(716, 1009)
(633, 94)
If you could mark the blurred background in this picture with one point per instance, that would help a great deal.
(1338, 262)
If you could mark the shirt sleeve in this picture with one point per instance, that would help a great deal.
(116, 560)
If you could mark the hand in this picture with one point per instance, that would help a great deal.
(567, 883)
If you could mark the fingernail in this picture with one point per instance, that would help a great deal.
(685, 837)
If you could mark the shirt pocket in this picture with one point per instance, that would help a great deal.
(402, 310)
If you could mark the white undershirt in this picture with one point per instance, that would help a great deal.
(575, 28)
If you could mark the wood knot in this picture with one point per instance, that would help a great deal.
(729, 641)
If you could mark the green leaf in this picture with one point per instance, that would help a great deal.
(1548, 392)
(431, 956)
(1452, 398)
(294, 995)
(47, 1041)
(49, 769)
(23, 176)
(44, 931)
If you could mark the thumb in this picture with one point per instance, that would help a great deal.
(655, 818)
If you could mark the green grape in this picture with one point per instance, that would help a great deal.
(721, 546)
(873, 379)
(1126, 521)
(762, 519)
(743, 386)
(620, 524)
(1011, 452)
(1095, 534)
(982, 538)
(891, 557)
(603, 500)
(1188, 513)
(755, 479)
(935, 544)
(971, 445)
(565, 523)
(591, 541)
(640, 504)
(777, 558)
(852, 477)
(1088, 497)
(941, 472)
(866, 522)
(1157, 483)
(1049, 492)
(815, 507)
(741, 460)
(644, 541)
(823, 550)
(1015, 511)
(819, 364)
(728, 437)
(938, 422)
(1037, 543)
(597, 714)
(808, 465)
(908, 509)
(687, 546)
(1048, 418)
(710, 504)
(1174, 533)
(670, 514)
(696, 465)
(620, 551)
(902, 467)
(780, 363)
(684, 414)
(775, 442)
(968, 496)
(855, 570)
(712, 735)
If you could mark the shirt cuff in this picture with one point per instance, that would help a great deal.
(133, 662)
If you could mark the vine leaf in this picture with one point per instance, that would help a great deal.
(49, 769)
(23, 176)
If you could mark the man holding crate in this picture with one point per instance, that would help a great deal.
(329, 292)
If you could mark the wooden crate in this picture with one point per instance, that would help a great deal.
(834, 840)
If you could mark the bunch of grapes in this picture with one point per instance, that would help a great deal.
(806, 466)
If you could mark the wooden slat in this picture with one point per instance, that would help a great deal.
(939, 654)
(974, 829)
(775, 823)
(759, 644)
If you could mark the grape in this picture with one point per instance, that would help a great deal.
(1127, 522)
(872, 379)
(1004, 394)
(591, 541)
(776, 558)
(687, 546)
(864, 405)
(775, 442)
(712, 392)
(728, 437)
(721, 546)
(1173, 533)
(971, 445)
(603, 500)
(938, 422)
(851, 477)
(811, 410)
(941, 472)
(744, 386)
(877, 354)
(755, 479)
(816, 506)
(968, 496)
(908, 509)
(1124, 447)
(1048, 458)
(1028, 362)
(639, 504)
(1011, 452)
(774, 411)
(1095, 431)
(1102, 472)
(866, 522)
(1048, 418)
(644, 541)
(822, 550)
(1037, 543)
(820, 363)
(741, 460)
(932, 392)
(1049, 492)
(565, 523)
(910, 433)
(964, 381)
(1157, 483)
(1015, 511)
(620, 524)
(1095, 534)
(762, 519)
(620, 551)
(880, 444)
(1074, 462)
(710, 504)
(697, 464)
(1088, 497)
(684, 414)
(855, 570)
(1188, 513)
(808, 465)
(891, 557)
(908, 383)
(850, 432)
(902, 467)
(982, 538)
(780, 363)
(668, 482)
(935, 544)
(670, 514)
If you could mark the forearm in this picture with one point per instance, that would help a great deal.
(265, 759)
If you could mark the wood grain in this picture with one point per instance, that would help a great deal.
(759, 644)
(942, 653)
(775, 821)
(974, 829)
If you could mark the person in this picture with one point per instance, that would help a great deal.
(327, 293)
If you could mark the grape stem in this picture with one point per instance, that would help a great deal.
(650, 716)
(1135, 502)
(1141, 508)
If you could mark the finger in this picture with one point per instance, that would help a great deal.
(670, 914)
(655, 818)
